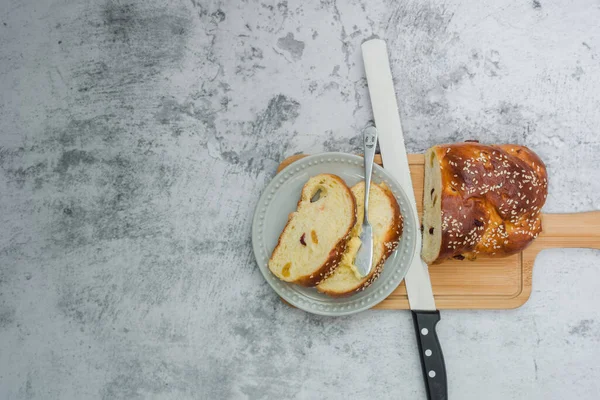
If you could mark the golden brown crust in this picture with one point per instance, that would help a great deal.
(335, 255)
(491, 199)
(391, 240)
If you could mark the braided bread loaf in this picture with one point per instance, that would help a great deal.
(481, 200)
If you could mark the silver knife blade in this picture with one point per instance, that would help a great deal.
(395, 159)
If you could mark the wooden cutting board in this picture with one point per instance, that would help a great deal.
(489, 283)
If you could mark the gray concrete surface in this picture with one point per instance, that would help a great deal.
(136, 137)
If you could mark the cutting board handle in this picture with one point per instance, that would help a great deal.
(581, 230)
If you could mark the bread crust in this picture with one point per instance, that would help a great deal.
(392, 238)
(335, 255)
(491, 197)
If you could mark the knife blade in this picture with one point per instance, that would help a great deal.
(395, 161)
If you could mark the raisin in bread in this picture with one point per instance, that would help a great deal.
(316, 234)
(386, 220)
(481, 200)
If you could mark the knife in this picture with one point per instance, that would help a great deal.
(395, 161)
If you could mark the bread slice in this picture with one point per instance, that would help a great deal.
(315, 237)
(386, 220)
(432, 208)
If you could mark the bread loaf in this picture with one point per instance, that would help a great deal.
(481, 200)
(386, 220)
(316, 234)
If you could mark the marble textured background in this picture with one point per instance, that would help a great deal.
(136, 137)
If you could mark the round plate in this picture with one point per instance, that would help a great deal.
(280, 198)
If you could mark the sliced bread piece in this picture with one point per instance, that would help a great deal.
(386, 220)
(432, 208)
(315, 237)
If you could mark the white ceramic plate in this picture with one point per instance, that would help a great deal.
(280, 198)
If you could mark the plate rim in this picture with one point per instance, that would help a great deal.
(280, 178)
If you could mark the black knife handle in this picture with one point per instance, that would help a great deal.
(432, 359)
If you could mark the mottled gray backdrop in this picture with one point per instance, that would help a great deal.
(136, 138)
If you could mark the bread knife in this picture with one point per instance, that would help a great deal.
(395, 161)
